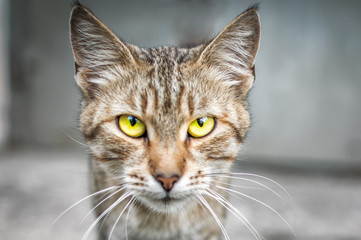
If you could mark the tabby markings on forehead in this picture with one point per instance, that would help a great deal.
(191, 107)
(180, 99)
(144, 102)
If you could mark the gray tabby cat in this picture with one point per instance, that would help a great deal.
(163, 126)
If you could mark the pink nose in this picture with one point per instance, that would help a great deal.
(167, 182)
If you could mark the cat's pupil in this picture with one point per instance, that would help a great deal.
(132, 120)
(201, 121)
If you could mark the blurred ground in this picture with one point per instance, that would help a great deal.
(35, 187)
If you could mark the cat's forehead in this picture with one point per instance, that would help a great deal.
(163, 93)
(173, 80)
(166, 54)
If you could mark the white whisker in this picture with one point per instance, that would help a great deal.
(226, 204)
(117, 178)
(109, 209)
(260, 202)
(234, 185)
(118, 218)
(126, 219)
(267, 179)
(290, 201)
(205, 203)
(255, 182)
(146, 219)
(101, 225)
(68, 135)
(82, 200)
(101, 202)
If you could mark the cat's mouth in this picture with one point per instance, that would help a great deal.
(166, 204)
(168, 200)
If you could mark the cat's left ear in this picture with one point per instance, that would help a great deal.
(234, 49)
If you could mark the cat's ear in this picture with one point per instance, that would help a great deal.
(234, 49)
(93, 43)
(96, 51)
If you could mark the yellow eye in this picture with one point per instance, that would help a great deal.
(131, 126)
(201, 127)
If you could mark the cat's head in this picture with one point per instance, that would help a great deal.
(163, 122)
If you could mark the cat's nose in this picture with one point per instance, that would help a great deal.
(167, 182)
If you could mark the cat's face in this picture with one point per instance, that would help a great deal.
(164, 122)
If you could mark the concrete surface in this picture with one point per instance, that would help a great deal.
(35, 187)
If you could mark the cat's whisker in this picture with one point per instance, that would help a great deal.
(255, 182)
(226, 204)
(102, 224)
(289, 203)
(108, 210)
(267, 179)
(77, 141)
(80, 201)
(127, 217)
(101, 202)
(204, 202)
(234, 185)
(146, 219)
(120, 214)
(100, 198)
(260, 202)
(117, 178)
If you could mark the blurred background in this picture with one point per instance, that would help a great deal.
(305, 105)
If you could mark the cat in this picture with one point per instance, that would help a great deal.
(163, 126)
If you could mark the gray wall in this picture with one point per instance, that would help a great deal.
(4, 73)
(306, 99)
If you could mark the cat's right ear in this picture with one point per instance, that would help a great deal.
(94, 46)
(93, 43)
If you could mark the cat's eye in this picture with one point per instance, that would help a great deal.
(201, 127)
(131, 126)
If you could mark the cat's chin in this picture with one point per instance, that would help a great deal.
(165, 205)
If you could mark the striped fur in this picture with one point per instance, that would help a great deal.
(167, 88)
